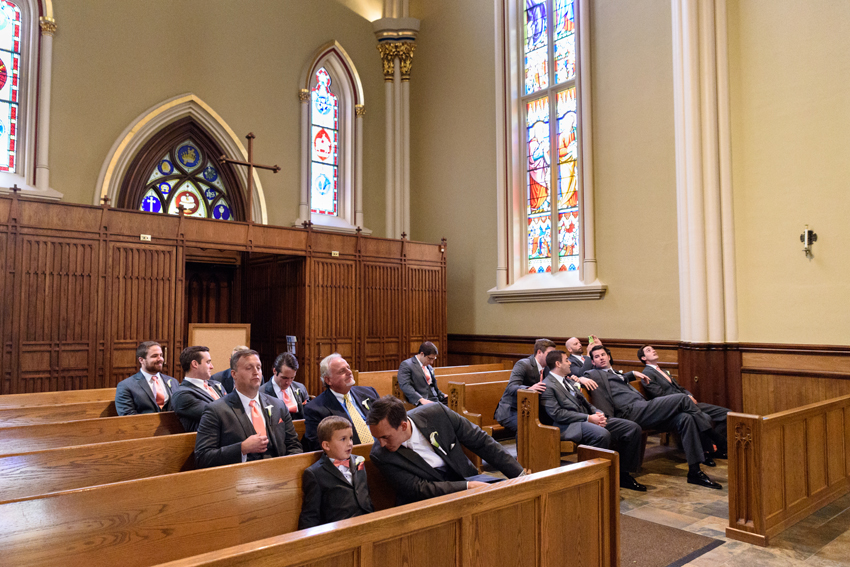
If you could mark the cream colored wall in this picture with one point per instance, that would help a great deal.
(113, 60)
(453, 146)
(790, 101)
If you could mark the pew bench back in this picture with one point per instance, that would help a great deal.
(55, 398)
(36, 415)
(382, 380)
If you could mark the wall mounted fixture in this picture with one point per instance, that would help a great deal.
(808, 238)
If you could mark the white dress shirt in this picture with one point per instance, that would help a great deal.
(422, 447)
(246, 403)
(341, 399)
(149, 379)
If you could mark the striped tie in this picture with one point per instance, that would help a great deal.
(359, 425)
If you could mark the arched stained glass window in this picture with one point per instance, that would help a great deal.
(551, 127)
(10, 81)
(324, 147)
(179, 167)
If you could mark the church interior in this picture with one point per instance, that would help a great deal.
(398, 185)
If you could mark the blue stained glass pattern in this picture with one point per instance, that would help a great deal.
(565, 41)
(165, 167)
(210, 174)
(568, 220)
(324, 189)
(221, 211)
(537, 124)
(164, 188)
(536, 46)
(151, 203)
(324, 102)
(324, 150)
(188, 156)
(539, 243)
(210, 194)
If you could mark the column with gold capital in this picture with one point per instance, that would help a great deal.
(304, 204)
(42, 175)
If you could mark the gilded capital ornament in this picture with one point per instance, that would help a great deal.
(388, 55)
(48, 26)
(304, 95)
(359, 109)
(404, 52)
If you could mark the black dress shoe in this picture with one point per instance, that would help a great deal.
(701, 479)
(627, 481)
(709, 462)
(718, 455)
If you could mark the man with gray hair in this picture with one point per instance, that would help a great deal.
(342, 398)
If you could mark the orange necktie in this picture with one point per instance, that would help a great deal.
(212, 392)
(665, 375)
(257, 418)
(160, 395)
(287, 399)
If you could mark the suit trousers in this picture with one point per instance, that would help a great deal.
(676, 411)
(624, 434)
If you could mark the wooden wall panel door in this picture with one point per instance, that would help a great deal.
(382, 319)
(141, 306)
(331, 316)
(426, 309)
(55, 305)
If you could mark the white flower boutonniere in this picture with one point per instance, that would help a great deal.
(269, 409)
(170, 385)
(359, 462)
(436, 444)
(366, 404)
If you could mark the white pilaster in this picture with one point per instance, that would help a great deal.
(42, 175)
(360, 110)
(304, 204)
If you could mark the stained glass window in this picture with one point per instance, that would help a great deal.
(10, 81)
(183, 175)
(324, 147)
(551, 129)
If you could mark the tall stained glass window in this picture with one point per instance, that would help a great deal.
(551, 129)
(324, 146)
(10, 81)
(185, 176)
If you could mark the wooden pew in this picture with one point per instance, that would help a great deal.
(466, 378)
(41, 472)
(30, 438)
(382, 380)
(538, 447)
(55, 398)
(152, 520)
(477, 402)
(35, 415)
(519, 522)
(785, 466)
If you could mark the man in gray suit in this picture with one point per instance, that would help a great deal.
(148, 390)
(416, 377)
(580, 363)
(420, 452)
(582, 423)
(197, 388)
(662, 383)
(617, 398)
(527, 374)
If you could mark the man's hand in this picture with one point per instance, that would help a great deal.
(693, 399)
(643, 377)
(255, 444)
(598, 419)
(594, 341)
(588, 383)
(539, 387)
(475, 484)
(423, 401)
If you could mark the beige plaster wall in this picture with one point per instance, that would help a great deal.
(113, 60)
(790, 101)
(453, 146)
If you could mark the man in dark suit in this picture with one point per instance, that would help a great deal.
(245, 425)
(582, 423)
(580, 363)
(421, 452)
(283, 386)
(527, 374)
(225, 376)
(148, 390)
(662, 383)
(197, 388)
(416, 377)
(617, 398)
(341, 397)
(335, 486)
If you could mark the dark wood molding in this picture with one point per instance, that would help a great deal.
(792, 372)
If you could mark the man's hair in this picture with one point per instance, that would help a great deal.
(597, 347)
(189, 354)
(641, 354)
(326, 428)
(325, 366)
(239, 355)
(542, 344)
(389, 408)
(427, 348)
(238, 348)
(554, 357)
(143, 348)
(285, 359)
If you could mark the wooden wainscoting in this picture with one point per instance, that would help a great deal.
(784, 466)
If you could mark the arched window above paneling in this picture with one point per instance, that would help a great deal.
(180, 166)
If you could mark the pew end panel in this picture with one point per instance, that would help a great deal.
(538, 445)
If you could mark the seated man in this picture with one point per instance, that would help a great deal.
(341, 397)
(416, 377)
(197, 388)
(421, 452)
(617, 398)
(579, 363)
(225, 376)
(661, 383)
(148, 390)
(582, 423)
(528, 373)
(245, 425)
(284, 387)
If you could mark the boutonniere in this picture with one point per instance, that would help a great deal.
(170, 385)
(365, 404)
(436, 444)
(359, 462)
(220, 389)
(269, 409)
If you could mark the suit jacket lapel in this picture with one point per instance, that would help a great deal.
(426, 432)
(146, 388)
(235, 403)
(328, 464)
(201, 390)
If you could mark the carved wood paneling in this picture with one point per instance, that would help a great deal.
(382, 317)
(331, 316)
(426, 309)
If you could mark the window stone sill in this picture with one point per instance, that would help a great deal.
(546, 287)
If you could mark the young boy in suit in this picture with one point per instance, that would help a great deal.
(335, 486)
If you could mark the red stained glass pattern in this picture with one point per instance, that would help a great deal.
(10, 56)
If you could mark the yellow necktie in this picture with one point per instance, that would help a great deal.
(359, 425)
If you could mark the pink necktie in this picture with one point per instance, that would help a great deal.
(160, 395)
(257, 418)
(287, 399)
(211, 391)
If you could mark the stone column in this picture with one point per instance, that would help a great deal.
(304, 204)
(42, 169)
